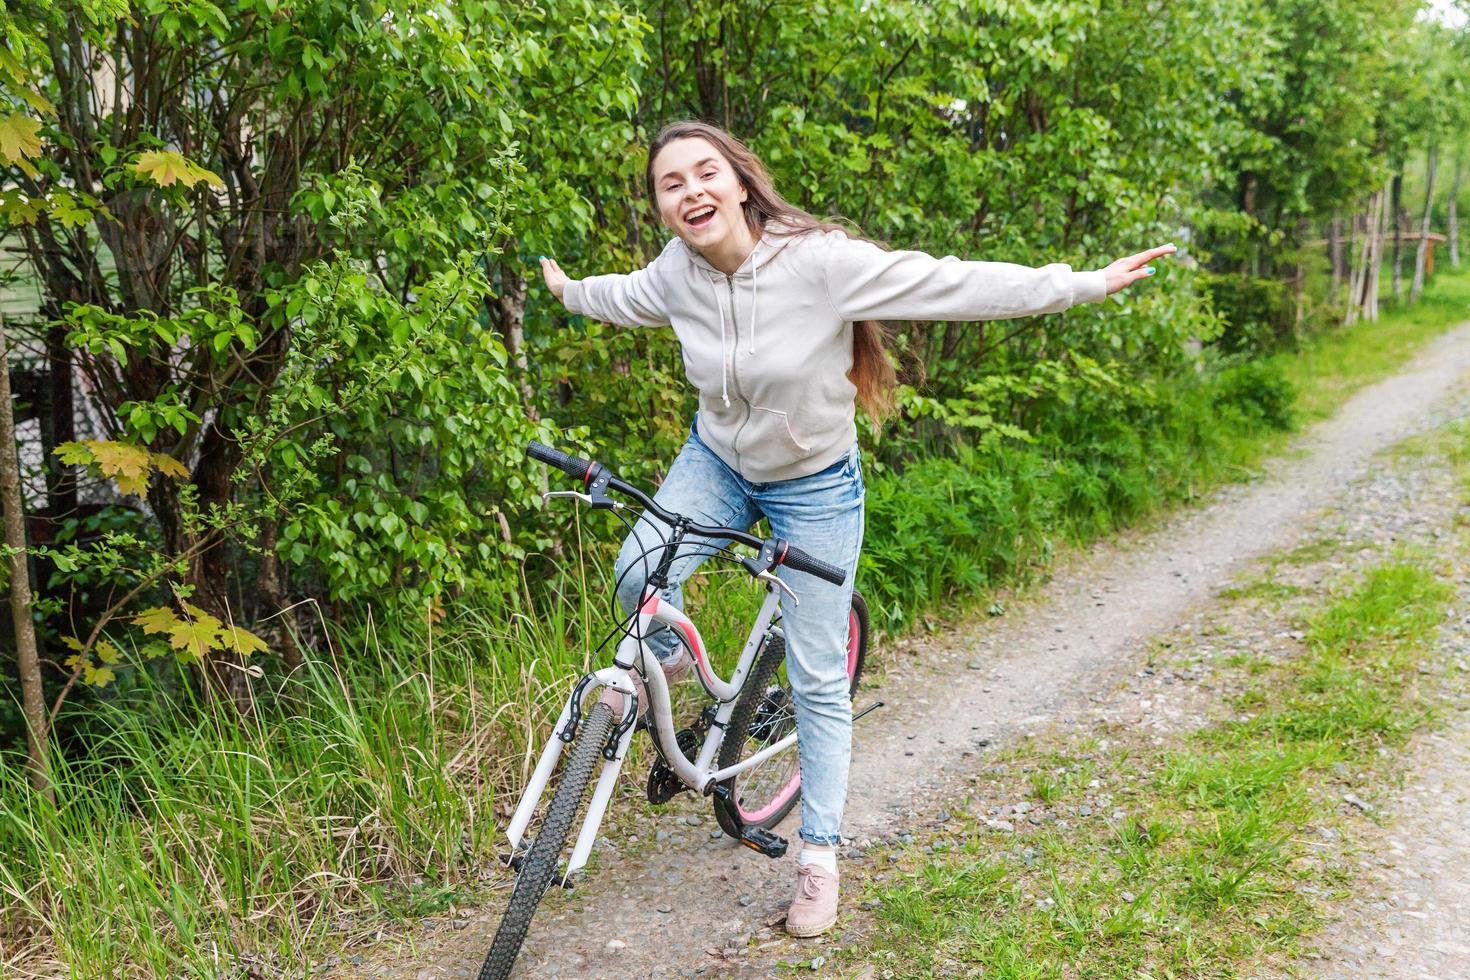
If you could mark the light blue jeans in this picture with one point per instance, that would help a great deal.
(821, 514)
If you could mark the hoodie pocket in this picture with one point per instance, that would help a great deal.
(768, 442)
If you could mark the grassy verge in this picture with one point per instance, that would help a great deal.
(187, 844)
(1205, 856)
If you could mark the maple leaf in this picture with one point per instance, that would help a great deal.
(107, 652)
(74, 454)
(74, 661)
(242, 641)
(194, 639)
(119, 459)
(197, 636)
(98, 676)
(165, 167)
(72, 643)
(169, 466)
(16, 208)
(154, 650)
(135, 486)
(18, 140)
(11, 66)
(159, 619)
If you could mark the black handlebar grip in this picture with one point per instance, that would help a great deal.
(573, 466)
(803, 562)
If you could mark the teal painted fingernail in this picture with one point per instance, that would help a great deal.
(543, 258)
(1149, 270)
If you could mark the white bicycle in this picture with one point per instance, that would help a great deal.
(741, 752)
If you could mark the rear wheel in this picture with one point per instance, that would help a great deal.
(764, 714)
(538, 869)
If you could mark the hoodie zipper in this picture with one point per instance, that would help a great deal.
(735, 377)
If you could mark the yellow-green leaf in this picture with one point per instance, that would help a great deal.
(38, 101)
(18, 139)
(154, 650)
(242, 641)
(18, 209)
(165, 167)
(194, 638)
(135, 486)
(107, 652)
(74, 453)
(169, 466)
(11, 66)
(98, 676)
(72, 643)
(118, 459)
(159, 619)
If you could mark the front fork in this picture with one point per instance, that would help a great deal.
(612, 677)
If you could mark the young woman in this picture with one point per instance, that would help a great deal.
(776, 311)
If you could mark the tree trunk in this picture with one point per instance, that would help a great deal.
(27, 657)
(1360, 266)
(510, 306)
(1398, 236)
(274, 598)
(1375, 265)
(225, 673)
(1299, 279)
(1338, 259)
(1453, 231)
(1422, 253)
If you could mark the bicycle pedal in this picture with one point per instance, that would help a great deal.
(512, 861)
(767, 843)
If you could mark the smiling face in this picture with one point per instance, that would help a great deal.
(699, 196)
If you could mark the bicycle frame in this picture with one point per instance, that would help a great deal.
(634, 653)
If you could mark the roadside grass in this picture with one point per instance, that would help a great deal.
(188, 844)
(1204, 859)
(1332, 366)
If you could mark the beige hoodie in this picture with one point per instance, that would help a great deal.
(769, 348)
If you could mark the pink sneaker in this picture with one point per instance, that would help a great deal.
(814, 909)
(674, 671)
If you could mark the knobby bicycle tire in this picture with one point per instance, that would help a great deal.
(754, 695)
(540, 864)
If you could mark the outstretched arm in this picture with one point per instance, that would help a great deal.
(866, 283)
(635, 299)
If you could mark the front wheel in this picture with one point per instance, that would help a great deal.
(765, 713)
(539, 866)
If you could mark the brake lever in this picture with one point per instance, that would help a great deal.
(768, 577)
(585, 498)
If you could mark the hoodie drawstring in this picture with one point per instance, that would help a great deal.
(725, 366)
(724, 370)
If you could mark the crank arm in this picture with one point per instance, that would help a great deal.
(872, 707)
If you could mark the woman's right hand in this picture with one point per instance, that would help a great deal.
(556, 280)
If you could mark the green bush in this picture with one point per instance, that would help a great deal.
(1260, 314)
(1259, 391)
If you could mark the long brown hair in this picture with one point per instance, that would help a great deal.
(764, 208)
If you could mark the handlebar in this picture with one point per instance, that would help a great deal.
(590, 472)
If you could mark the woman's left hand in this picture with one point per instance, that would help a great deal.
(1125, 272)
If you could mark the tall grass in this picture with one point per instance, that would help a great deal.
(189, 842)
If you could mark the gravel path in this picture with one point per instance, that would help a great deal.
(668, 903)
(1411, 915)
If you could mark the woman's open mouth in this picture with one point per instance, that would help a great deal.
(701, 217)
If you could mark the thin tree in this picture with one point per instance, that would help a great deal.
(29, 661)
(1421, 256)
(1453, 218)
